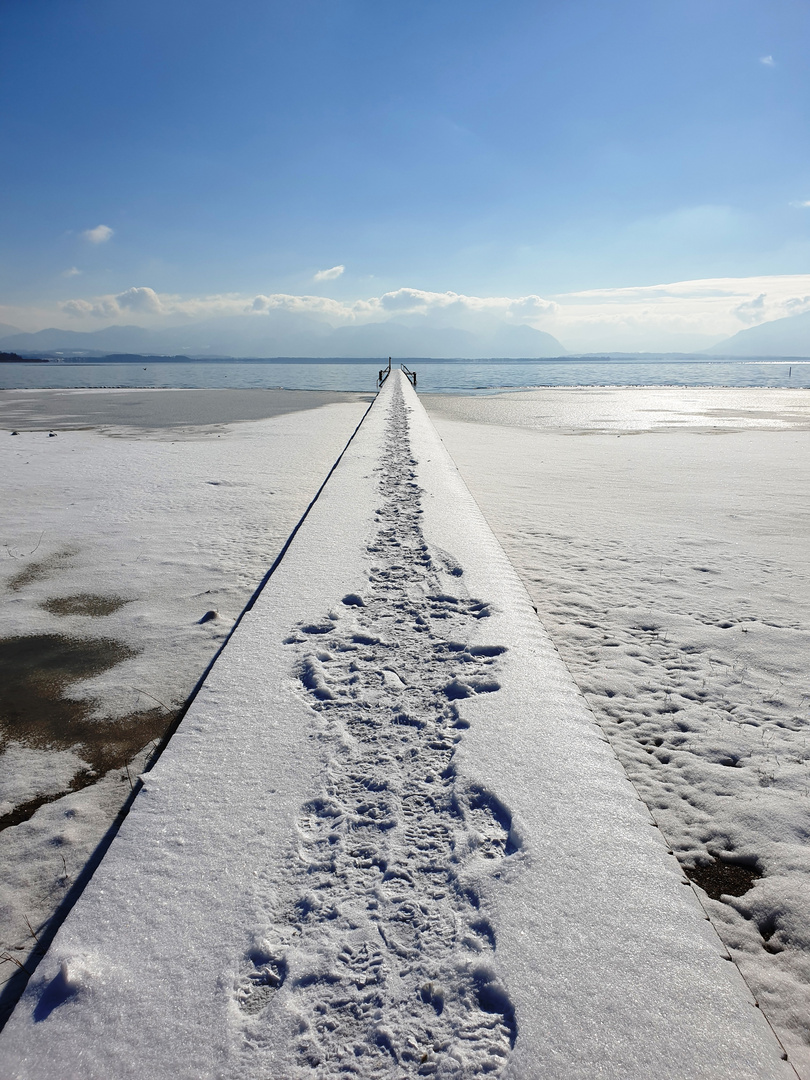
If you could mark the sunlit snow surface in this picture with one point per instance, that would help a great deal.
(389, 840)
(672, 571)
(26, 773)
(124, 537)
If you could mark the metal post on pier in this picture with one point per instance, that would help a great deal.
(383, 374)
(409, 374)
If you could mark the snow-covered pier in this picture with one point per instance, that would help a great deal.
(389, 840)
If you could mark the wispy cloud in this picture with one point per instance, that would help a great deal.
(329, 275)
(768, 61)
(801, 204)
(100, 235)
(72, 271)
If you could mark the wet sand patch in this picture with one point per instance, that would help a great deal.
(35, 673)
(91, 604)
(723, 878)
(39, 569)
(42, 410)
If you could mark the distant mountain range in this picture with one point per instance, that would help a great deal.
(780, 337)
(289, 334)
(280, 335)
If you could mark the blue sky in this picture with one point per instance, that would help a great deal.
(481, 148)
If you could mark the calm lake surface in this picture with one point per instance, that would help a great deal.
(441, 377)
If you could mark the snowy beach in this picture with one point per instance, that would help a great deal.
(131, 540)
(663, 535)
(543, 836)
(596, 523)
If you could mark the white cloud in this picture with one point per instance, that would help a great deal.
(419, 302)
(768, 61)
(72, 271)
(140, 299)
(100, 235)
(801, 204)
(681, 315)
(145, 302)
(77, 308)
(144, 305)
(407, 301)
(414, 300)
(658, 316)
(751, 311)
(531, 307)
(104, 307)
(319, 306)
(329, 275)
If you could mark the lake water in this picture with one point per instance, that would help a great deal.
(466, 377)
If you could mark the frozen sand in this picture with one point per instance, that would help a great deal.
(418, 848)
(628, 409)
(37, 410)
(114, 542)
(663, 536)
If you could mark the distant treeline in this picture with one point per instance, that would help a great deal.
(127, 358)
(12, 358)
